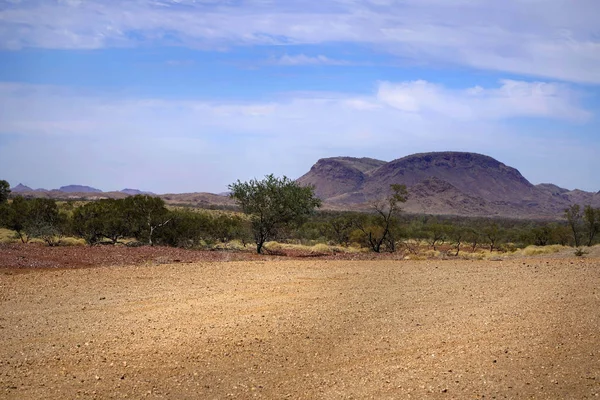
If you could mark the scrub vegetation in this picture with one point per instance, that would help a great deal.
(277, 215)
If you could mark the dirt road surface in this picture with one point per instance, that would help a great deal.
(303, 329)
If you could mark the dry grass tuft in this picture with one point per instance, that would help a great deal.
(539, 250)
(71, 241)
(7, 236)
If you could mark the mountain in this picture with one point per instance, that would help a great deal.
(441, 183)
(133, 192)
(78, 189)
(339, 175)
(20, 188)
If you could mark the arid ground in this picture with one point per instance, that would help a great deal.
(311, 328)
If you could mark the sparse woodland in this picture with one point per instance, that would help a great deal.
(283, 214)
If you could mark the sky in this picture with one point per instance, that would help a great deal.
(175, 96)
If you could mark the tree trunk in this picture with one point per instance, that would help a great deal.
(150, 236)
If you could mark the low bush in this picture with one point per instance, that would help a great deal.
(539, 250)
(320, 248)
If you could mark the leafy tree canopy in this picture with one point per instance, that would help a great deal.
(4, 191)
(272, 204)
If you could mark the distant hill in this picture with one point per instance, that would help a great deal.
(133, 192)
(20, 188)
(441, 183)
(78, 189)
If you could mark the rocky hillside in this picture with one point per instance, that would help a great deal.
(441, 183)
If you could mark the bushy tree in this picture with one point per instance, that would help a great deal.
(273, 204)
(575, 221)
(4, 191)
(44, 221)
(225, 227)
(101, 219)
(378, 231)
(436, 233)
(339, 229)
(591, 217)
(186, 229)
(457, 234)
(144, 215)
(16, 216)
(493, 234)
(542, 235)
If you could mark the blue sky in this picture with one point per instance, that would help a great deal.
(185, 96)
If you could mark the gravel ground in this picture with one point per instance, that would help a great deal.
(303, 329)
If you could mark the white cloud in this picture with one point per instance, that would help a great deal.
(302, 59)
(189, 145)
(511, 99)
(551, 38)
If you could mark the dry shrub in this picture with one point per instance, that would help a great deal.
(478, 255)
(538, 250)
(320, 248)
(71, 241)
(8, 236)
(236, 245)
(273, 246)
(432, 254)
(349, 249)
(594, 251)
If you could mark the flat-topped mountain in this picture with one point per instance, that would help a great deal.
(78, 189)
(441, 183)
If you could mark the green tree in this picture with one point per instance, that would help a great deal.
(87, 222)
(542, 235)
(379, 229)
(339, 229)
(44, 221)
(493, 234)
(144, 215)
(4, 191)
(273, 204)
(101, 219)
(473, 237)
(436, 234)
(591, 217)
(575, 222)
(457, 234)
(16, 215)
(186, 229)
(561, 234)
(225, 228)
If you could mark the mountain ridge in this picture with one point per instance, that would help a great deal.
(453, 183)
(461, 183)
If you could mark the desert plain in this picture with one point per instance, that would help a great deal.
(313, 328)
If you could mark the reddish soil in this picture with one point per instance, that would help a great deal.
(297, 328)
(37, 255)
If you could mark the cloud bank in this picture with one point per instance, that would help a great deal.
(190, 145)
(556, 39)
